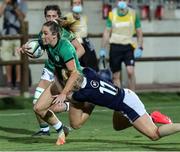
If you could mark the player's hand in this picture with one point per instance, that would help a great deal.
(23, 49)
(138, 53)
(59, 98)
(102, 52)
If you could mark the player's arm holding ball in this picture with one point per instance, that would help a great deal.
(32, 48)
(23, 49)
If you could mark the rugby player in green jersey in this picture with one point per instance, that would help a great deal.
(62, 55)
(52, 12)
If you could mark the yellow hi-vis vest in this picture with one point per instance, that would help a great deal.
(123, 27)
(79, 27)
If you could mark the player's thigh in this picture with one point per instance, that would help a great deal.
(120, 122)
(59, 107)
(75, 114)
(44, 83)
(145, 125)
(56, 88)
(79, 113)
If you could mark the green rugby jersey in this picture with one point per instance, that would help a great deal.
(64, 34)
(60, 54)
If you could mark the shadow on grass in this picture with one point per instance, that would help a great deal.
(148, 145)
(16, 130)
(28, 139)
(152, 146)
(127, 142)
(15, 103)
(11, 103)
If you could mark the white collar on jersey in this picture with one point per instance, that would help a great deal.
(84, 82)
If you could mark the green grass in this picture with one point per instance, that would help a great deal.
(18, 123)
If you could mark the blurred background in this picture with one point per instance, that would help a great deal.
(160, 24)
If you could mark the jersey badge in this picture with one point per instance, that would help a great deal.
(94, 84)
(57, 58)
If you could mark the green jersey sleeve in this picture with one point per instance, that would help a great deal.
(108, 22)
(137, 21)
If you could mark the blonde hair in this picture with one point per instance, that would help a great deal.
(77, 84)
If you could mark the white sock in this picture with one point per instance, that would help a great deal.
(58, 126)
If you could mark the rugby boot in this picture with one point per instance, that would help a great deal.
(158, 117)
(61, 138)
(41, 133)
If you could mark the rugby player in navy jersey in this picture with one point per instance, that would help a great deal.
(93, 89)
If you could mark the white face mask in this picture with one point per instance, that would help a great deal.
(122, 5)
(77, 9)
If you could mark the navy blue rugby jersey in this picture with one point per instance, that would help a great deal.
(98, 91)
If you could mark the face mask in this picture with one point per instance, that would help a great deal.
(122, 5)
(77, 9)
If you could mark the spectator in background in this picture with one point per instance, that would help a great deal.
(121, 25)
(14, 12)
(77, 22)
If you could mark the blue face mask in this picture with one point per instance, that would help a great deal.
(77, 9)
(122, 5)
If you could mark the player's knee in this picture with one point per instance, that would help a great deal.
(75, 125)
(120, 127)
(154, 135)
(37, 109)
(117, 128)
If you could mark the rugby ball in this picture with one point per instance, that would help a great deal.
(34, 49)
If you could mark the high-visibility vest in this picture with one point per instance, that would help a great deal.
(123, 27)
(79, 27)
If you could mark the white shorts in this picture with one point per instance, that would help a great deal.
(47, 75)
(132, 107)
(8, 50)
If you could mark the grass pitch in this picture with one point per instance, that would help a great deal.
(18, 123)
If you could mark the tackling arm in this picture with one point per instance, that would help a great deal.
(79, 48)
